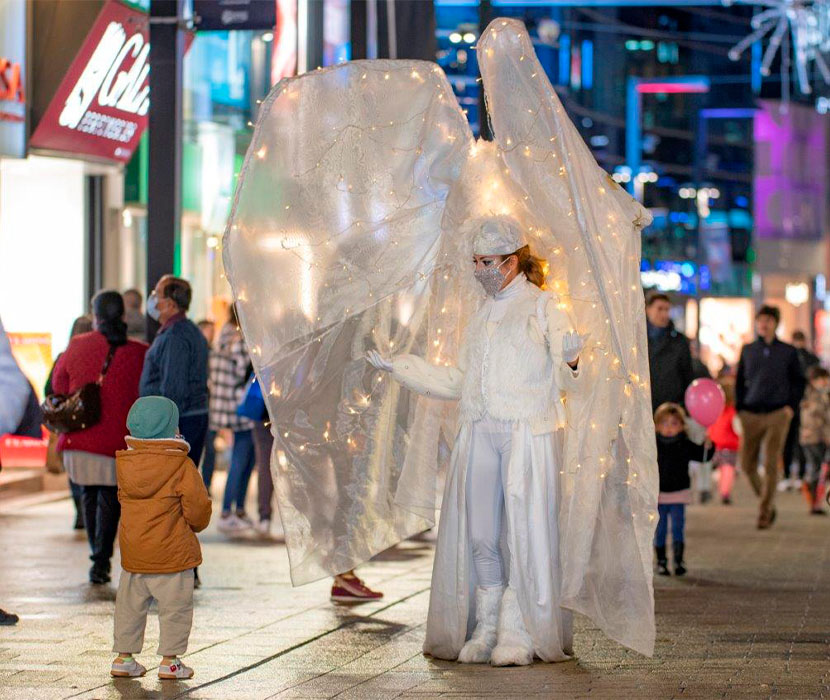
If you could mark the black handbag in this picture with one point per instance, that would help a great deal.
(69, 413)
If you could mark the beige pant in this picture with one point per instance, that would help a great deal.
(770, 431)
(174, 595)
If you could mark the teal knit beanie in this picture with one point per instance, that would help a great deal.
(153, 418)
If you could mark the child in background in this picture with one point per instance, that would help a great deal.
(674, 452)
(164, 502)
(814, 435)
(726, 440)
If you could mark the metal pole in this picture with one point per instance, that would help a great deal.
(633, 133)
(484, 132)
(165, 140)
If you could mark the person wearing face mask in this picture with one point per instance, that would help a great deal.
(177, 362)
(520, 356)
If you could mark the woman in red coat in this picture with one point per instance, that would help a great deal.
(89, 454)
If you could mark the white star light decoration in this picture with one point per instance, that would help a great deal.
(804, 23)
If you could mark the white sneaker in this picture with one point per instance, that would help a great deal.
(175, 671)
(263, 527)
(796, 484)
(784, 485)
(231, 525)
(129, 668)
(245, 520)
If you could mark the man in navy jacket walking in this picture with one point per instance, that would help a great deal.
(768, 388)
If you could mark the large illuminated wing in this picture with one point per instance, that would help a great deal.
(331, 250)
(589, 231)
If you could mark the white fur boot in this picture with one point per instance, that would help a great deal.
(478, 648)
(514, 647)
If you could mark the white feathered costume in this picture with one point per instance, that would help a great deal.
(348, 234)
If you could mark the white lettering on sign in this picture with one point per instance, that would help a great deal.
(662, 280)
(103, 77)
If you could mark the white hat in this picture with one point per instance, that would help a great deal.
(496, 235)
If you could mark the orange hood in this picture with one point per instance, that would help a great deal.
(148, 465)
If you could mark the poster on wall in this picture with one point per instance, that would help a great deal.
(33, 353)
(100, 108)
(12, 78)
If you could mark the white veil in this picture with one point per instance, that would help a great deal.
(347, 234)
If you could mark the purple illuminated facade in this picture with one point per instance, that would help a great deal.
(790, 183)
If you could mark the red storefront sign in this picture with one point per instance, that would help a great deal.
(100, 108)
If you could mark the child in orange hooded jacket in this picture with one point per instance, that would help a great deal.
(164, 503)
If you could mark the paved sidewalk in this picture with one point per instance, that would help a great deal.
(751, 620)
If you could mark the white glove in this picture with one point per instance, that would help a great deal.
(572, 344)
(374, 358)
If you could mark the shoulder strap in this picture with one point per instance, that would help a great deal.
(106, 366)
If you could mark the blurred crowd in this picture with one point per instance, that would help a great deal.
(771, 422)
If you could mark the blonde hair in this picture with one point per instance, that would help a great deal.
(533, 267)
(666, 410)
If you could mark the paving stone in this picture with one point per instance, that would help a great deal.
(751, 620)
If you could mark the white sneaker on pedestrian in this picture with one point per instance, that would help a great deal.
(796, 484)
(231, 525)
(784, 485)
(127, 668)
(263, 527)
(242, 517)
(175, 671)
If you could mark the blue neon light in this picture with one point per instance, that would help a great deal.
(587, 64)
(564, 59)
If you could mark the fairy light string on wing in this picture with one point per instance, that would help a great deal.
(334, 150)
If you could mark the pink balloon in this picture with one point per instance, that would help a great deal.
(705, 401)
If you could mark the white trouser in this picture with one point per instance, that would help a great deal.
(174, 596)
(490, 455)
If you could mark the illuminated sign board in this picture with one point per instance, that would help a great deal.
(100, 108)
(673, 276)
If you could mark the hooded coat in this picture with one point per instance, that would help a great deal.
(164, 503)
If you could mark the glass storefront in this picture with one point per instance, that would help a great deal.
(226, 75)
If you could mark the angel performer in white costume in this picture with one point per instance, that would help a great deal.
(501, 279)
(501, 506)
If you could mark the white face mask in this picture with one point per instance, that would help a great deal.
(153, 307)
(491, 278)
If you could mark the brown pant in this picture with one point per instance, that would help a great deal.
(770, 431)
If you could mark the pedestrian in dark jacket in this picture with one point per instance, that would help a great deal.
(814, 435)
(89, 454)
(674, 452)
(669, 356)
(795, 460)
(768, 388)
(177, 362)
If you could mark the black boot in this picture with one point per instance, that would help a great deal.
(662, 562)
(679, 566)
